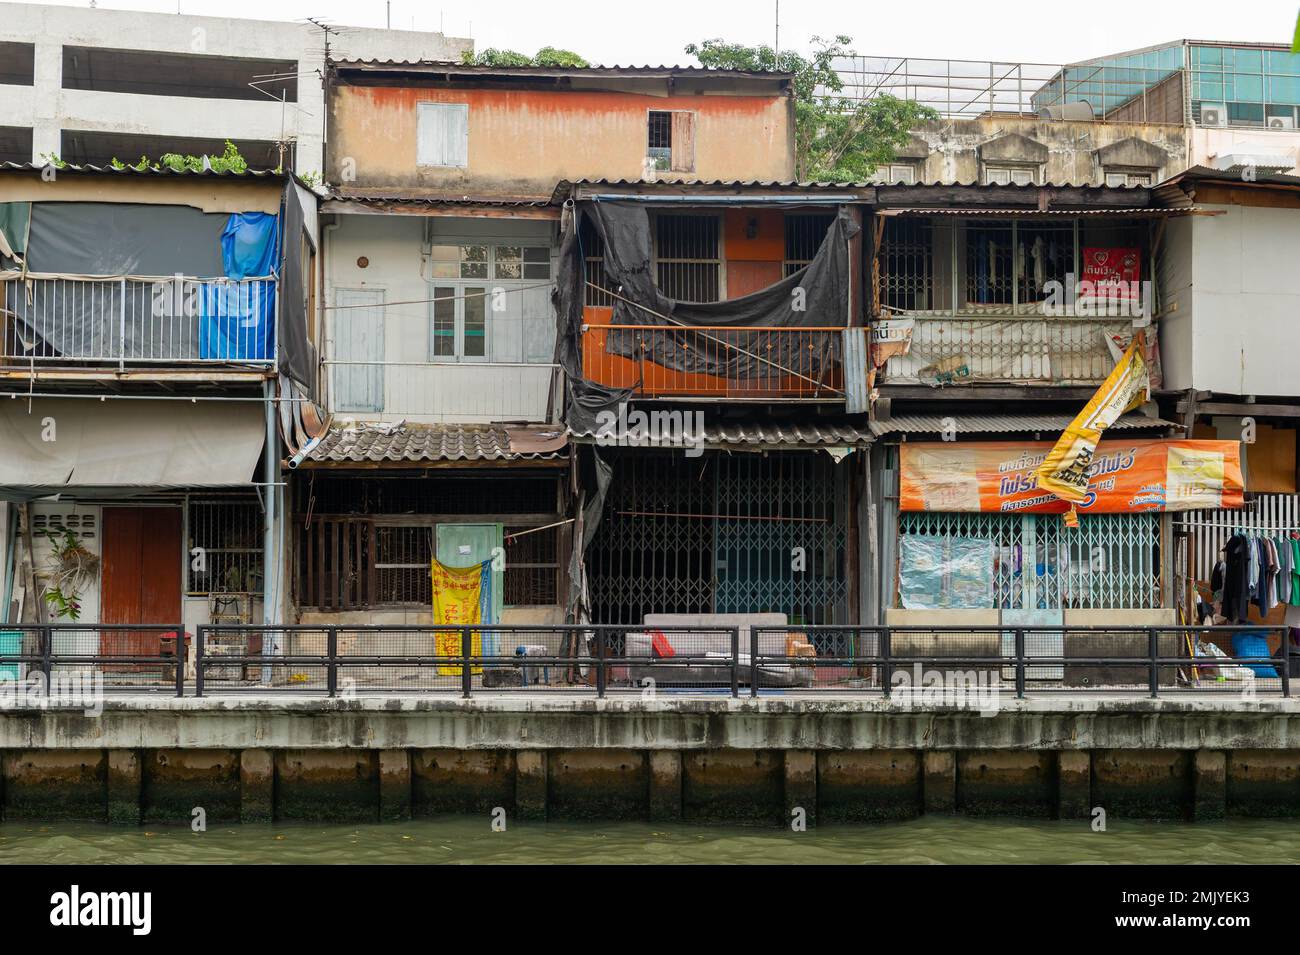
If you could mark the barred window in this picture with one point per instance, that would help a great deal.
(594, 290)
(229, 533)
(803, 237)
(688, 258)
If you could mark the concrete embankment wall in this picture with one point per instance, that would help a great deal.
(154, 761)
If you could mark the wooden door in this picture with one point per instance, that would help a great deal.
(141, 576)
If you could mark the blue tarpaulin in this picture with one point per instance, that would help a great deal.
(237, 319)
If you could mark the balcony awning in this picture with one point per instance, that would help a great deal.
(679, 431)
(1031, 213)
(123, 447)
(1000, 424)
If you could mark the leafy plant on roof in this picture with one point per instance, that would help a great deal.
(230, 160)
(546, 56)
(837, 138)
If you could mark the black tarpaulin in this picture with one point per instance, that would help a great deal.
(815, 296)
(103, 238)
(297, 355)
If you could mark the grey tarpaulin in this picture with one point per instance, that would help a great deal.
(104, 238)
(297, 357)
(14, 217)
(83, 239)
(821, 301)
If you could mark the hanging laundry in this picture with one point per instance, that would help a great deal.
(1236, 582)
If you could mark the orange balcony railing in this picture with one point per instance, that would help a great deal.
(716, 361)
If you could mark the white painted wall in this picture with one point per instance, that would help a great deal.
(414, 387)
(48, 108)
(1243, 323)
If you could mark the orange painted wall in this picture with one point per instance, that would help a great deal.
(522, 142)
(753, 263)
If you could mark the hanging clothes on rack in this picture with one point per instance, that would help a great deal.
(1236, 580)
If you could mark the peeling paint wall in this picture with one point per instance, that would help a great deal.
(954, 147)
(522, 142)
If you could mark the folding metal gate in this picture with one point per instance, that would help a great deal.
(723, 533)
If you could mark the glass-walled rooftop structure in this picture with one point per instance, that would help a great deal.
(1203, 82)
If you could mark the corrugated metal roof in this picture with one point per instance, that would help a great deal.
(999, 424)
(754, 435)
(454, 66)
(883, 192)
(409, 200)
(1107, 211)
(405, 443)
(147, 171)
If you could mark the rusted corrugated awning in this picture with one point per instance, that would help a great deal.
(746, 436)
(999, 424)
(1027, 213)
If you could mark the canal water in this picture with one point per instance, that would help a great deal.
(461, 840)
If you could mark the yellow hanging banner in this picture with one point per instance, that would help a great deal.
(1065, 470)
(460, 595)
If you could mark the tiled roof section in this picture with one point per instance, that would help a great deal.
(406, 443)
(754, 435)
(999, 424)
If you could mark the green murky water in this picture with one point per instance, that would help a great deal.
(470, 840)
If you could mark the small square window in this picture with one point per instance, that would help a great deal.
(473, 261)
(442, 134)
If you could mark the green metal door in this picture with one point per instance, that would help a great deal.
(465, 545)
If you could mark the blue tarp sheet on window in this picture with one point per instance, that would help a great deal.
(237, 320)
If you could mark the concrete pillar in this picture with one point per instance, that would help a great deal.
(1073, 784)
(939, 772)
(256, 786)
(801, 785)
(665, 769)
(47, 83)
(394, 785)
(1209, 785)
(530, 784)
(124, 778)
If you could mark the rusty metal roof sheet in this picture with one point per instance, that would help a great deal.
(455, 66)
(998, 424)
(411, 200)
(412, 443)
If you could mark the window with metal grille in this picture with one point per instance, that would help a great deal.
(531, 575)
(660, 139)
(1110, 561)
(229, 534)
(1127, 178)
(596, 293)
(688, 259)
(803, 237)
(1010, 175)
(907, 264)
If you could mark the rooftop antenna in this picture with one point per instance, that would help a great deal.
(778, 27)
(388, 15)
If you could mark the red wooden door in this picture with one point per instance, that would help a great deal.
(141, 576)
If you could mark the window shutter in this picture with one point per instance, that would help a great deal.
(683, 142)
(442, 134)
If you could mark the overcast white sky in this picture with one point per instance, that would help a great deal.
(610, 31)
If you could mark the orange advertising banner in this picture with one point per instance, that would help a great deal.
(1125, 477)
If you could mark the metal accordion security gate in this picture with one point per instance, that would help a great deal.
(723, 533)
(1108, 561)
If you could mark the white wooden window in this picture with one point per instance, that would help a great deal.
(442, 134)
(899, 172)
(1010, 175)
(491, 303)
(1122, 178)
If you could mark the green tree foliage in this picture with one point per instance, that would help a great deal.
(546, 56)
(837, 139)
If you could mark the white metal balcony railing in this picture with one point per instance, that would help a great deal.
(1006, 350)
(52, 321)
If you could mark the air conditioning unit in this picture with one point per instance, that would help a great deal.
(1214, 114)
(1281, 122)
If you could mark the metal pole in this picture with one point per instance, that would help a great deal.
(121, 327)
(466, 671)
(1153, 651)
(1020, 663)
(753, 661)
(270, 478)
(886, 667)
(735, 662)
(332, 667)
(47, 655)
(600, 664)
(180, 660)
(198, 660)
